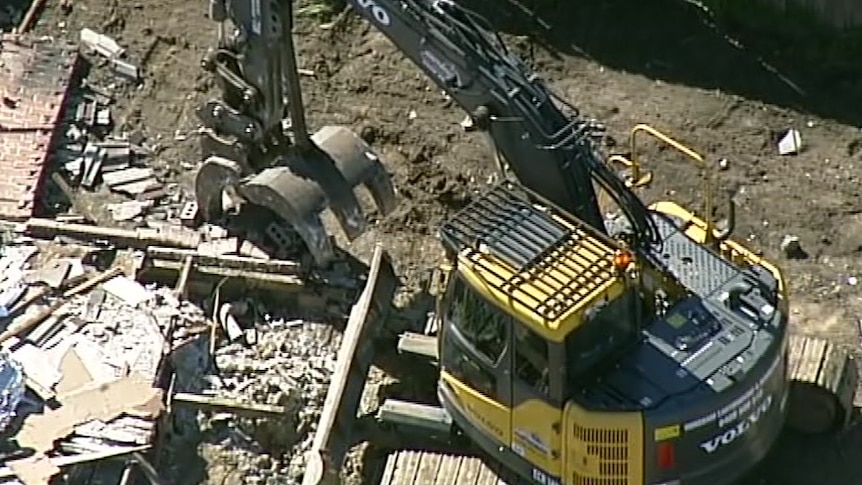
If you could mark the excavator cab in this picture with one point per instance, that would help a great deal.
(536, 303)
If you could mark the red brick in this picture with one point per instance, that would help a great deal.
(23, 154)
(16, 210)
(11, 191)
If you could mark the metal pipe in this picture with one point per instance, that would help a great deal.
(295, 106)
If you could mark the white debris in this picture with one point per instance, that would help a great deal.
(128, 210)
(852, 281)
(790, 143)
(127, 290)
(126, 69)
(723, 164)
(101, 43)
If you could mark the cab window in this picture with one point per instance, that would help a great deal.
(531, 360)
(475, 354)
(479, 321)
(604, 333)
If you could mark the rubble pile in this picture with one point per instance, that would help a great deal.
(290, 366)
(71, 329)
(88, 348)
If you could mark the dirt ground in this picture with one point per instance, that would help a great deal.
(618, 71)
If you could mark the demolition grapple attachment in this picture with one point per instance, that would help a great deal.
(256, 144)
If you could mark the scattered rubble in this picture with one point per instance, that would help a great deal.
(112, 51)
(75, 336)
(69, 361)
(289, 366)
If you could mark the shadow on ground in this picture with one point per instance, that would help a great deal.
(781, 60)
(11, 13)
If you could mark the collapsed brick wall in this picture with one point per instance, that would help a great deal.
(35, 83)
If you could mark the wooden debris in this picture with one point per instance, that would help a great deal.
(272, 266)
(63, 461)
(30, 321)
(137, 238)
(224, 405)
(30, 17)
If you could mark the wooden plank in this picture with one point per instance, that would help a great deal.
(796, 347)
(410, 466)
(810, 360)
(428, 468)
(832, 370)
(228, 405)
(63, 461)
(487, 476)
(389, 469)
(469, 472)
(448, 471)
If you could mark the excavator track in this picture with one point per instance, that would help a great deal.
(824, 379)
(409, 467)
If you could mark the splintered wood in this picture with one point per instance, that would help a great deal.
(409, 467)
(823, 385)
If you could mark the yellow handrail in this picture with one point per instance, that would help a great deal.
(699, 160)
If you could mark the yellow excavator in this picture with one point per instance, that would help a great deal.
(573, 348)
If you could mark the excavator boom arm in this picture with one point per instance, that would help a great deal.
(549, 150)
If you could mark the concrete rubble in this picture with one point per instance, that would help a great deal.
(289, 366)
(268, 382)
(78, 361)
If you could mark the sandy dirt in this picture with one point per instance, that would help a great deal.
(668, 69)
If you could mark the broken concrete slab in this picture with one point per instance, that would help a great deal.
(790, 143)
(129, 175)
(100, 43)
(127, 290)
(54, 274)
(37, 365)
(219, 247)
(128, 210)
(134, 189)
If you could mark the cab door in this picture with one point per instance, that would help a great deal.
(537, 403)
(476, 361)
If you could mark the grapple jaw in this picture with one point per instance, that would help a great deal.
(301, 185)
